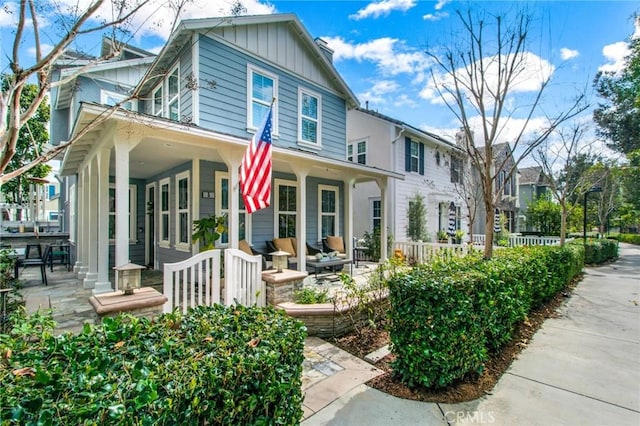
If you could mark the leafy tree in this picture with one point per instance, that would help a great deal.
(30, 144)
(545, 215)
(476, 76)
(417, 219)
(618, 116)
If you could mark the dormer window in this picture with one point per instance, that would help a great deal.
(157, 101)
(166, 97)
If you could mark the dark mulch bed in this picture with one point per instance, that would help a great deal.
(468, 389)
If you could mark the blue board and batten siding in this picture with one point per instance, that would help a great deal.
(223, 99)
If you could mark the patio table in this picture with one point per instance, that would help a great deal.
(316, 265)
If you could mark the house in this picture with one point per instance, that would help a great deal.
(532, 184)
(505, 186)
(433, 167)
(144, 171)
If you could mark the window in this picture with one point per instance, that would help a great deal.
(165, 192)
(262, 88)
(112, 98)
(285, 224)
(158, 101)
(53, 216)
(414, 156)
(51, 192)
(309, 122)
(507, 187)
(456, 169)
(222, 207)
(173, 94)
(328, 222)
(183, 224)
(112, 212)
(360, 154)
(376, 214)
(500, 182)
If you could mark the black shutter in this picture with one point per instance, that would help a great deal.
(421, 158)
(407, 154)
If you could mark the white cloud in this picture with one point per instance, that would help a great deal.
(566, 53)
(156, 18)
(382, 8)
(44, 49)
(376, 94)
(404, 100)
(8, 15)
(435, 16)
(528, 76)
(636, 33)
(441, 4)
(615, 55)
(391, 56)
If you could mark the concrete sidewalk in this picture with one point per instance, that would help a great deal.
(582, 368)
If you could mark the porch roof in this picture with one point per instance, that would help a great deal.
(165, 144)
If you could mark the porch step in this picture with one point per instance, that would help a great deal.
(33, 304)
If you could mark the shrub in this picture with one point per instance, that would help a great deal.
(626, 238)
(447, 315)
(308, 296)
(597, 251)
(213, 365)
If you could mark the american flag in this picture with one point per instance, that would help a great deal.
(255, 170)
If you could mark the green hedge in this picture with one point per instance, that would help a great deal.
(597, 251)
(214, 365)
(626, 238)
(446, 317)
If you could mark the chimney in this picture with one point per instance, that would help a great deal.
(324, 47)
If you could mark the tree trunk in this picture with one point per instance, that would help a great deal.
(563, 222)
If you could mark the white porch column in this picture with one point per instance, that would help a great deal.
(92, 230)
(77, 267)
(382, 184)
(84, 246)
(103, 285)
(122, 205)
(195, 197)
(348, 217)
(233, 160)
(301, 213)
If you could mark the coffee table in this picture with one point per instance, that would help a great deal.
(316, 265)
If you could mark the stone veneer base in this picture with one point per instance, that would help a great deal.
(144, 302)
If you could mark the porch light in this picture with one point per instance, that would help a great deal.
(128, 277)
(280, 260)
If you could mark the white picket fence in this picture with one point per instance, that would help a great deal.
(196, 281)
(421, 252)
(522, 240)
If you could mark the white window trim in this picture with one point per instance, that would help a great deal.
(372, 209)
(180, 246)
(159, 113)
(105, 94)
(220, 176)
(168, 101)
(276, 210)
(416, 156)
(164, 243)
(250, 127)
(308, 144)
(132, 213)
(335, 214)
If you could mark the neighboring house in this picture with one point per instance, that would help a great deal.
(143, 175)
(532, 184)
(505, 186)
(432, 167)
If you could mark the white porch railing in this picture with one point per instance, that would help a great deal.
(421, 252)
(243, 278)
(196, 281)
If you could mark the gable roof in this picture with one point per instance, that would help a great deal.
(439, 140)
(188, 27)
(529, 175)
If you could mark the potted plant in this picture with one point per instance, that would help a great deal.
(208, 230)
(443, 237)
(458, 236)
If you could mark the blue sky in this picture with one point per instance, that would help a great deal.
(380, 46)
